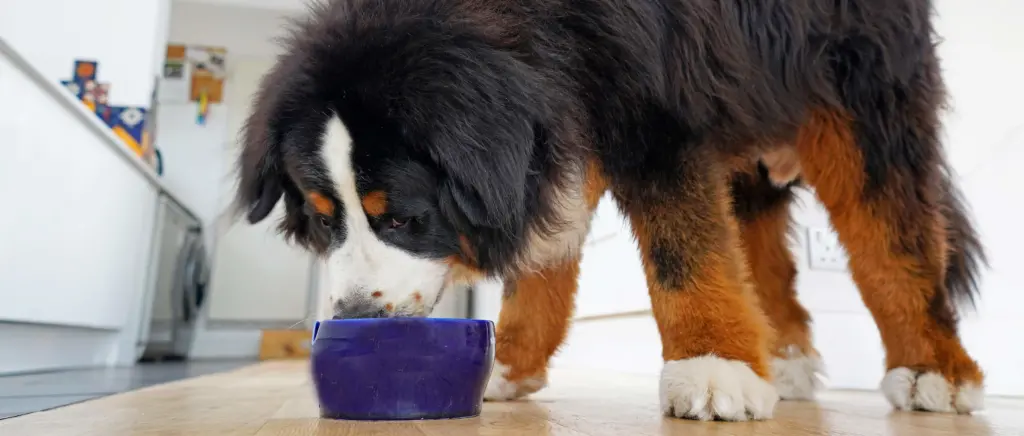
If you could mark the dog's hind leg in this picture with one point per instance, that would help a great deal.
(762, 208)
(877, 166)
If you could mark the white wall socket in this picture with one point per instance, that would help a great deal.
(825, 250)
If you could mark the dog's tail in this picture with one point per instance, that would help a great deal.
(966, 253)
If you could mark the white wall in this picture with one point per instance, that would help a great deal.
(269, 5)
(126, 37)
(192, 159)
(245, 32)
(982, 62)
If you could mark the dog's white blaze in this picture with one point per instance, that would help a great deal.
(364, 264)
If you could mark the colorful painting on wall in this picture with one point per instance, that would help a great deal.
(208, 73)
(194, 74)
(174, 84)
(84, 71)
(73, 87)
(129, 123)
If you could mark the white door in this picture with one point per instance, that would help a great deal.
(256, 275)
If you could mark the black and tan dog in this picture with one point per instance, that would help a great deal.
(420, 143)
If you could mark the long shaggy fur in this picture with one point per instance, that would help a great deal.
(508, 100)
(485, 122)
(966, 253)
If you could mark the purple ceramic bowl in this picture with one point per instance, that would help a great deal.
(401, 368)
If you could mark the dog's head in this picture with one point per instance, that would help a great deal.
(402, 149)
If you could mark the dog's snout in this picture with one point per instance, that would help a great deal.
(360, 314)
(358, 306)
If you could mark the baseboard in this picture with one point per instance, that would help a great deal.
(226, 343)
(42, 347)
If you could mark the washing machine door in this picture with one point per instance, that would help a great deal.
(174, 234)
(192, 276)
(195, 274)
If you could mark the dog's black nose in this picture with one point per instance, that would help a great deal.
(360, 314)
(357, 306)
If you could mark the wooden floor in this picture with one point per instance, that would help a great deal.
(276, 399)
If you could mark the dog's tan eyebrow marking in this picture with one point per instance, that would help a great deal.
(321, 204)
(375, 203)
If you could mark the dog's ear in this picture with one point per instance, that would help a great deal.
(262, 171)
(489, 193)
(476, 114)
(469, 209)
(486, 167)
(259, 192)
(485, 193)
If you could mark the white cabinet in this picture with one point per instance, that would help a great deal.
(75, 239)
(75, 234)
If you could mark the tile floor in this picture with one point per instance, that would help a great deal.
(22, 394)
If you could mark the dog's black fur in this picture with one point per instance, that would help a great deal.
(471, 113)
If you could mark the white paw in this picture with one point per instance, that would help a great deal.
(499, 388)
(907, 389)
(709, 387)
(797, 376)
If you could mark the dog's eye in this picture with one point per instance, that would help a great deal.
(397, 223)
(324, 221)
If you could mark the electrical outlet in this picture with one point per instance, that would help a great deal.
(826, 253)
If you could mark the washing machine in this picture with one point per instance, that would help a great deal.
(181, 269)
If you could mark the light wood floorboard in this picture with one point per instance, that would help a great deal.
(276, 399)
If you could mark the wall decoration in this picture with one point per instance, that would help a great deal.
(149, 152)
(131, 124)
(89, 94)
(193, 74)
(84, 71)
(94, 95)
(72, 87)
(84, 76)
(101, 103)
(204, 107)
(173, 86)
(208, 72)
(128, 123)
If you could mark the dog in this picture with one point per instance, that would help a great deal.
(422, 144)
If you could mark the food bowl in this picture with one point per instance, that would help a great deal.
(401, 368)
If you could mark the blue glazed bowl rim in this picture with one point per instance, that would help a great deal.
(365, 321)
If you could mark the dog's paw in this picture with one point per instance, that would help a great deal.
(500, 388)
(907, 389)
(797, 376)
(709, 388)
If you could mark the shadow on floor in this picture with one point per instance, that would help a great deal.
(28, 393)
